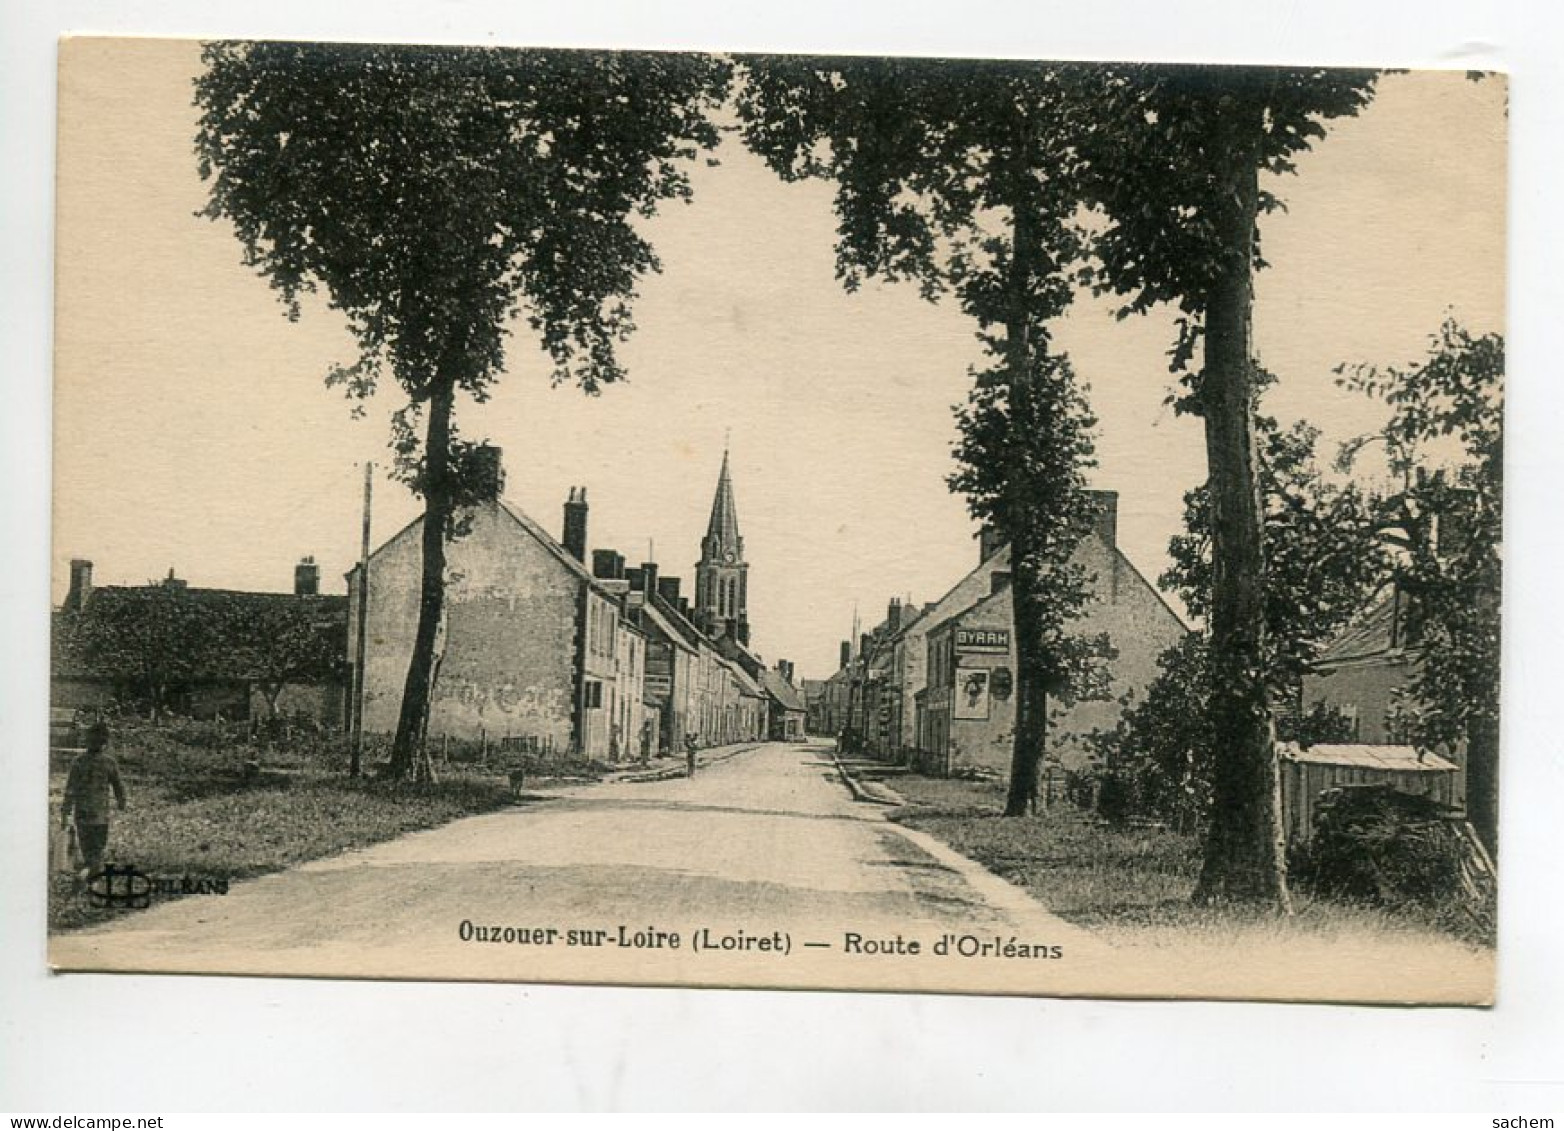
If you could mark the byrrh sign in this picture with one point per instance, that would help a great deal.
(982, 640)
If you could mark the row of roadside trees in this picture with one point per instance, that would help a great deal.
(434, 193)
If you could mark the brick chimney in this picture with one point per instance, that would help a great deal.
(785, 670)
(893, 615)
(306, 578)
(989, 542)
(1106, 522)
(668, 590)
(81, 585)
(574, 536)
(172, 582)
(648, 577)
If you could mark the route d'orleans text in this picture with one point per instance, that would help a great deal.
(711, 940)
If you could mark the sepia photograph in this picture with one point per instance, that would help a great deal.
(774, 521)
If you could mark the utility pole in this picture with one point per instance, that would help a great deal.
(356, 758)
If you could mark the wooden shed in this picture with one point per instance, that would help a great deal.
(1307, 772)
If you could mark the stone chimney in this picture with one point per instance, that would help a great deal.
(81, 585)
(306, 578)
(574, 536)
(893, 615)
(172, 582)
(648, 577)
(488, 473)
(668, 590)
(608, 565)
(847, 653)
(785, 670)
(1106, 522)
(989, 542)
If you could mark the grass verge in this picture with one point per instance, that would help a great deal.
(1130, 885)
(194, 815)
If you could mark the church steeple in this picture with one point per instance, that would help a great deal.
(722, 531)
(722, 575)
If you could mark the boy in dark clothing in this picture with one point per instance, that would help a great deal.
(92, 775)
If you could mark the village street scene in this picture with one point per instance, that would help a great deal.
(779, 522)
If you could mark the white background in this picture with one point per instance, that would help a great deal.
(180, 1044)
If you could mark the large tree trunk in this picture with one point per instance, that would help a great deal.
(409, 753)
(1031, 730)
(1031, 692)
(1482, 781)
(1245, 858)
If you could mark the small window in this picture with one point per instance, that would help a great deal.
(594, 694)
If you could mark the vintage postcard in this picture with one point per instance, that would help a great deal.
(853, 523)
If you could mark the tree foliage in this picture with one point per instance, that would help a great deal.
(153, 641)
(1173, 158)
(1160, 153)
(1324, 560)
(963, 177)
(434, 193)
(1446, 522)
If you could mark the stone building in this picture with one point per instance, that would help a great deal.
(530, 647)
(547, 648)
(967, 715)
(1360, 672)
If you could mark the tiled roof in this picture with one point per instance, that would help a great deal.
(1372, 634)
(216, 633)
(781, 690)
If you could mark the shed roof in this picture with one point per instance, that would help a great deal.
(1400, 759)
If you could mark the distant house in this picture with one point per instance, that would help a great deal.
(827, 699)
(787, 714)
(967, 706)
(1360, 672)
(672, 652)
(203, 653)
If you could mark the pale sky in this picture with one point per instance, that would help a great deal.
(194, 431)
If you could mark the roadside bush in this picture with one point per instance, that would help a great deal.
(1376, 845)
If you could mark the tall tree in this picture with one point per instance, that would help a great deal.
(1446, 525)
(432, 191)
(1025, 442)
(1325, 557)
(1174, 157)
(962, 177)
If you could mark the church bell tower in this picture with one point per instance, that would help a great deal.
(722, 574)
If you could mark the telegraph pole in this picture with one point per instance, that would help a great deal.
(356, 757)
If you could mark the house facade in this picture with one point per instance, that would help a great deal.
(969, 707)
(529, 648)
